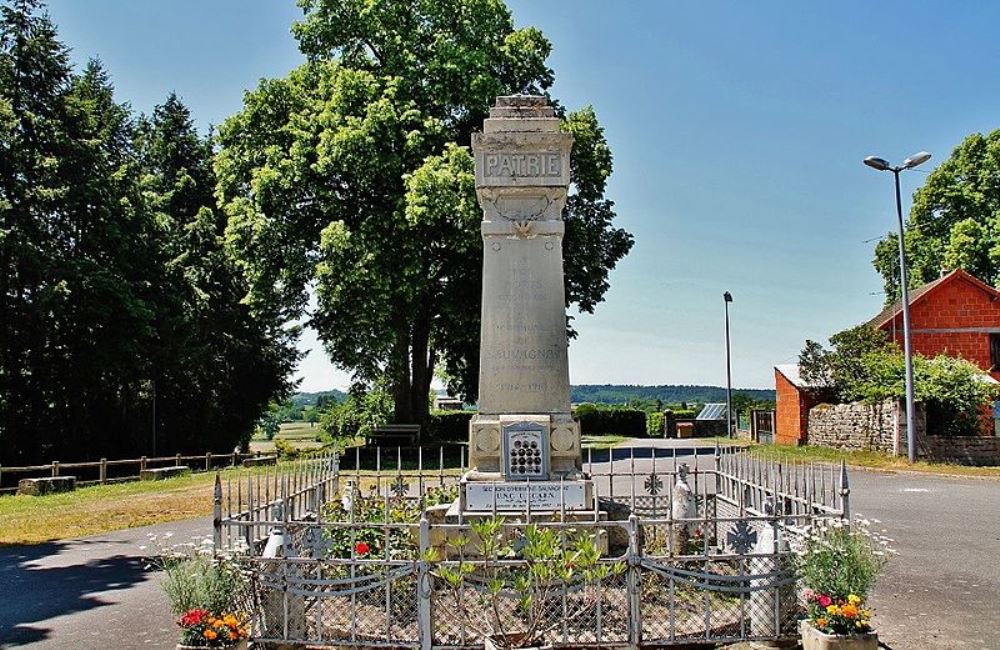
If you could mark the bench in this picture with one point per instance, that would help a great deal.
(401, 435)
(37, 487)
(160, 473)
(260, 461)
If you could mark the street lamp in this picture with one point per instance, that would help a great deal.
(726, 299)
(882, 165)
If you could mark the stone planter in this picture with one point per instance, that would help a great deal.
(518, 641)
(242, 645)
(813, 639)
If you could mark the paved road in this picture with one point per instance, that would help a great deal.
(940, 593)
(69, 594)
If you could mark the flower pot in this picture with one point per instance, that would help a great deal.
(813, 639)
(242, 645)
(519, 641)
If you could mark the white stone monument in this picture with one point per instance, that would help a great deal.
(524, 439)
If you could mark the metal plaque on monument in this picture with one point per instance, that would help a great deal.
(524, 444)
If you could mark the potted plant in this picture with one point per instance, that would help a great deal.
(530, 567)
(838, 563)
(204, 590)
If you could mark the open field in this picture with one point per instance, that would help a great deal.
(870, 459)
(606, 441)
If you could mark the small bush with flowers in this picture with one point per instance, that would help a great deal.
(205, 590)
(838, 563)
(203, 629)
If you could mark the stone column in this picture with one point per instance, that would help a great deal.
(522, 177)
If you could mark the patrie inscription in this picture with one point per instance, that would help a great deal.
(523, 165)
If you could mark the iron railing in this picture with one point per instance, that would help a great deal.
(354, 557)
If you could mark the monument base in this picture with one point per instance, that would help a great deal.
(485, 496)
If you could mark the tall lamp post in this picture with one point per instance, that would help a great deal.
(726, 299)
(882, 165)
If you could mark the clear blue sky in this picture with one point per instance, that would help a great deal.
(738, 131)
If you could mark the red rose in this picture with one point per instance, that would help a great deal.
(825, 601)
(362, 548)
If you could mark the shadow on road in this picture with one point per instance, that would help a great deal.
(39, 583)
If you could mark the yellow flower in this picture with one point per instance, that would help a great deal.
(230, 620)
(854, 600)
(821, 622)
(859, 624)
(833, 610)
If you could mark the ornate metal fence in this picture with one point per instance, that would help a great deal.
(703, 541)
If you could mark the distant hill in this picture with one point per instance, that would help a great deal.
(668, 394)
(309, 399)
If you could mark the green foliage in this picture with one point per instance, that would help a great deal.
(669, 396)
(358, 415)
(864, 365)
(269, 424)
(654, 425)
(351, 173)
(199, 580)
(548, 560)
(954, 221)
(838, 559)
(448, 426)
(117, 298)
(604, 420)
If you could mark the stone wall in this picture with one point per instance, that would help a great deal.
(882, 427)
(964, 450)
(861, 426)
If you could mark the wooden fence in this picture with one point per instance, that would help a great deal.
(118, 471)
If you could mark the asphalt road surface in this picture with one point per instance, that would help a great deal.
(94, 592)
(941, 592)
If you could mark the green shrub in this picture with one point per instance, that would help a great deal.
(358, 415)
(447, 426)
(654, 425)
(617, 421)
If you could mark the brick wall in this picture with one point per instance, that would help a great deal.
(791, 417)
(958, 304)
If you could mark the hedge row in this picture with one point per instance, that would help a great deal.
(621, 422)
(447, 426)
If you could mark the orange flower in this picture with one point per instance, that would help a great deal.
(210, 634)
(821, 622)
(849, 610)
(230, 620)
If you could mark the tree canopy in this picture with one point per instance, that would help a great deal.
(351, 176)
(954, 221)
(862, 364)
(122, 328)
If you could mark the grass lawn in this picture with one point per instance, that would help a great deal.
(100, 508)
(871, 459)
(605, 441)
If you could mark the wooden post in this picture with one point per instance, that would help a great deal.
(142, 463)
(177, 460)
(55, 468)
(104, 471)
(208, 460)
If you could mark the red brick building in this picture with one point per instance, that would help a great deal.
(957, 315)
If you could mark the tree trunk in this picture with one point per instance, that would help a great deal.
(420, 387)
(399, 370)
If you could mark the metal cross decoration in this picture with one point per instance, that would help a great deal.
(399, 487)
(315, 543)
(653, 484)
(742, 538)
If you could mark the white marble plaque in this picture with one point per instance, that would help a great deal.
(545, 495)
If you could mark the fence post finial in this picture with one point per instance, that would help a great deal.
(845, 491)
(217, 514)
